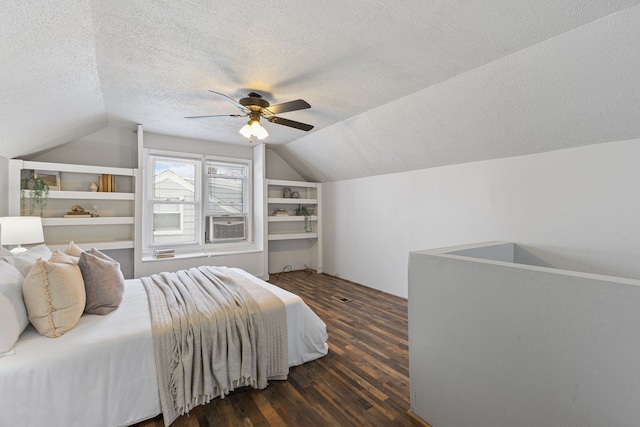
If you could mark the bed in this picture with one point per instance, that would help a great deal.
(103, 371)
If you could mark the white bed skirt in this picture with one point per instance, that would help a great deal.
(103, 372)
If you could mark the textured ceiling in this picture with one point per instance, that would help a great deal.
(438, 68)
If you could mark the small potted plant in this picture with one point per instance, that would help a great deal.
(38, 194)
(302, 210)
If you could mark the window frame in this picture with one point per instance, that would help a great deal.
(201, 188)
(247, 193)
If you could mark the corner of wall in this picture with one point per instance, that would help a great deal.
(4, 186)
(277, 168)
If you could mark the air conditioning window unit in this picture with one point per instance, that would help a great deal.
(221, 228)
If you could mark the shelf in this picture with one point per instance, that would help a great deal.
(286, 242)
(284, 183)
(87, 195)
(113, 220)
(291, 201)
(292, 236)
(101, 246)
(88, 169)
(290, 218)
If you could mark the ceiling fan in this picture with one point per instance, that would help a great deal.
(254, 107)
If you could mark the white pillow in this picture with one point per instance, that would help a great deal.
(54, 296)
(5, 252)
(13, 315)
(25, 261)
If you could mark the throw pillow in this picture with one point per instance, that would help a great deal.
(73, 250)
(103, 282)
(25, 261)
(62, 258)
(13, 314)
(54, 296)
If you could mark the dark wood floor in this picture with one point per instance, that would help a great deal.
(363, 381)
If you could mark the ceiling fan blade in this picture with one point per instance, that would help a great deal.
(290, 123)
(298, 104)
(217, 115)
(231, 101)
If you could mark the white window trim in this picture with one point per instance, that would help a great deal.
(247, 192)
(148, 245)
(200, 247)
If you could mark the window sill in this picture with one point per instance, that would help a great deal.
(205, 254)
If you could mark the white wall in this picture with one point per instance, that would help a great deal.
(583, 198)
(110, 146)
(279, 169)
(190, 145)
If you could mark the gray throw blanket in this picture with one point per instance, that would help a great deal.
(213, 330)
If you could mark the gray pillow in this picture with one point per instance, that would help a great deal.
(25, 261)
(103, 282)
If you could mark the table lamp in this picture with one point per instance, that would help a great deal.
(19, 230)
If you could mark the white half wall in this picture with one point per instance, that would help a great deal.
(495, 343)
(583, 198)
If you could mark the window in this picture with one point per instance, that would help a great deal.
(227, 201)
(174, 202)
(226, 188)
(168, 218)
(196, 201)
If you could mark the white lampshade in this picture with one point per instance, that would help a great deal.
(246, 131)
(19, 230)
(261, 132)
(254, 128)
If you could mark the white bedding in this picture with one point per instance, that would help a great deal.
(103, 373)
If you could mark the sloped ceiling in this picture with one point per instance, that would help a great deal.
(393, 85)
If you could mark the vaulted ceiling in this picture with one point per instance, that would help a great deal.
(393, 85)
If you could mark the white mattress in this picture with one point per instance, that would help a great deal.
(103, 372)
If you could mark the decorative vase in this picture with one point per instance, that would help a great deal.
(93, 187)
(286, 193)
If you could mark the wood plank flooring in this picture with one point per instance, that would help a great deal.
(363, 381)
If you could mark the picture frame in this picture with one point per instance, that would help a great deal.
(51, 178)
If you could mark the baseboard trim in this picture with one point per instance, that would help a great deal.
(417, 419)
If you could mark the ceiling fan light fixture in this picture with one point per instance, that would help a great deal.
(255, 107)
(254, 128)
(260, 131)
(246, 131)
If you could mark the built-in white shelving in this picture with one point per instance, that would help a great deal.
(112, 229)
(87, 195)
(293, 240)
(114, 220)
(290, 218)
(101, 246)
(292, 236)
(292, 201)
